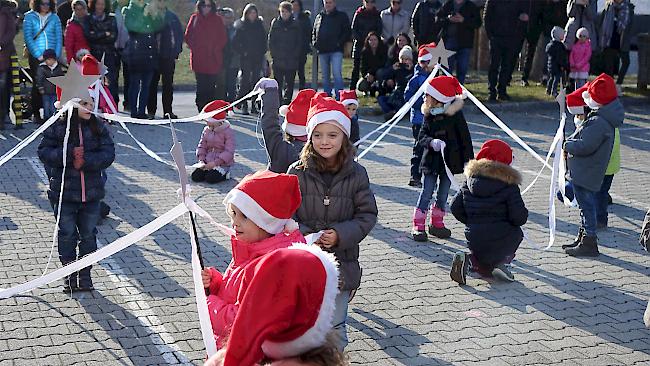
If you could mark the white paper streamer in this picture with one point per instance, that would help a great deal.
(450, 175)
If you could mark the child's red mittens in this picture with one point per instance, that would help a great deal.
(216, 278)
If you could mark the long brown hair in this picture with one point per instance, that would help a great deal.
(310, 158)
(325, 355)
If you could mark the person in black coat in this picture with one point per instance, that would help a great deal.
(490, 205)
(366, 19)
(285, 44)
(423, 21)
(100, 30)
(373, 58)
(304, 19)
(250, 43)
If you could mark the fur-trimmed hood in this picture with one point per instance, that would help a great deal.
(455, 106)
(499, 176)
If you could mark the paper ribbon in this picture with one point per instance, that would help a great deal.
(450, 175)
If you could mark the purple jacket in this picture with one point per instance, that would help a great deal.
(217, 145)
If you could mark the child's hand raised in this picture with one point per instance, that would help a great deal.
(206, 276)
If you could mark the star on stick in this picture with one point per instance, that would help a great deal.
(73, 84)
(440, 54)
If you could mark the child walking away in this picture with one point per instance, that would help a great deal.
(444, 126)
(558, 62)
(589, 150)
(579, 58)
(283, 143)
(50, 67)
(216, 149)
(351, 103)
(422, 71)
(262, 224)
(336, 197)
(90, 151)
(490, 205)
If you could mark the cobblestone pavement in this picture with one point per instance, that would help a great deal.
(561, 310)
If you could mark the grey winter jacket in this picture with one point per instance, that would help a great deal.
(590, 147)
(347, 206)
(281, 153)
(581, 16)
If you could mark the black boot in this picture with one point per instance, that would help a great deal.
(70, 281)
(85, 282)
(587, 248)
(577, 240)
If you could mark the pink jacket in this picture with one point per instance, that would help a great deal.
(217, 145)
(228, 290)
(580, 56)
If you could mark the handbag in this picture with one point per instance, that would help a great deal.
(26, 53)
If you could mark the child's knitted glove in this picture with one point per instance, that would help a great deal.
(266, 83)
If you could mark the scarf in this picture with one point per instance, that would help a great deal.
(614, 14)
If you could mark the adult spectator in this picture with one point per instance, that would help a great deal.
(285, 44)
(373, 58)
(205, 35)
(504, 24)
(230, 67)
(615, 26)
(100, 29)
(400, 42)
(120, 45)
(170, 40)
(331, 31)
(423, 21)
(250, 43)
(303, 18)
(395, 83)
(532, 31)
(582, 13)
(42, 30)
(394, 20)
(74, 39)
(366, 19)
(65, 12)
(459, 20)
(7, 49)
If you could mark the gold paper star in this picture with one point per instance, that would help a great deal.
(440, 54)
(73, 84)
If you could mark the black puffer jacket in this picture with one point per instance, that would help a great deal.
(501, 18)
(250, 39)
(100, 34)
(284, 40)
(423, 21)
(347, 205)
(99, 153)
(491, 207)
(364, 22)
(331, 31)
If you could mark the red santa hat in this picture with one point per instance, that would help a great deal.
(271, 212)
(89, 65)
(575, 103)
(495, 150)
(444, 88)
(213, 106)
(324, 109)
(423, 54)
(601, 91)
(287, 308)
(347, 97)
(295, 114)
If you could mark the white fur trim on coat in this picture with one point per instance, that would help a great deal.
(249, 207)
(339, 118)
(315, 336)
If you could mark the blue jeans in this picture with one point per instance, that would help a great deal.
(587, 204)
(459, 63)
(429, 184)
(333, 60)
(382, 100)
(78, 223)
(340, 319)
(602, 200)
(139, 83)
(48, 106)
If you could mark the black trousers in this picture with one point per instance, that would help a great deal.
(5, 83)
(125, 77)
(209, 176)
(301, 72)
(502, 55)
(230, 80)
(286, 79)
(166, 70)
(37, 100)
(356, 66)
(532, 39)
(206, 89)
(415, 158)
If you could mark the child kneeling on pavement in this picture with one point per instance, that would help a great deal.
(490, 205)
(216, 149)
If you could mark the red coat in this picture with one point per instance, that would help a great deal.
(74, 40)
(228, 290)
(206, 38)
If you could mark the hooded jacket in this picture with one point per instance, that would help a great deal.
(50, 38)
(217, 145)
(281, 153)
(419, 77)
(558, 56)
(364, 22)
(490, 205)
(251, 40)
(590, 147)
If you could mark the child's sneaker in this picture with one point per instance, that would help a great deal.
(502, 272)
(460, 267)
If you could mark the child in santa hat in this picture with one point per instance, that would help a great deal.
(490, 205)
(351, 103)
(283, 142)
(216, 149)
(420, 75)
(337, 199)
(285, 313)
(589, 151)
(445, 127)
(262, 224)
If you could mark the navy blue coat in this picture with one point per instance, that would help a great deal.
(99, 153)
(171, 37)
(490, 205)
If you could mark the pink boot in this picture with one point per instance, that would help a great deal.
(419, 223)
(437, 227)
